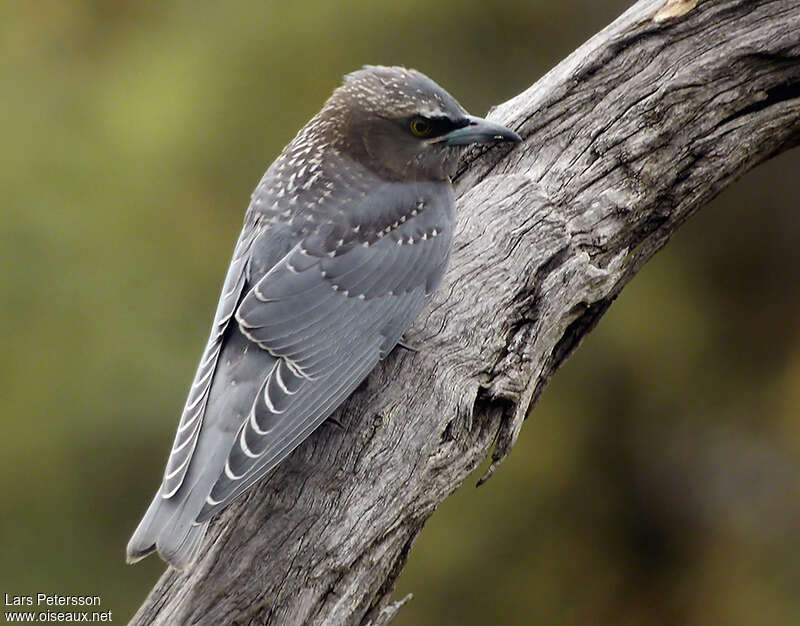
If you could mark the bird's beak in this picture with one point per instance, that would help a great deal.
(479, 130)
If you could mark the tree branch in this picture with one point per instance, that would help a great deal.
(623, 141)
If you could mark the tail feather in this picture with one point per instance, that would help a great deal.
(143, 541)
(170, 525)
(181, 551)
(169, 528)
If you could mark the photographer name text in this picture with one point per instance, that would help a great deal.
(46, 599)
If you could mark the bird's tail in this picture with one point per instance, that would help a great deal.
(170, 525)
(169, 528)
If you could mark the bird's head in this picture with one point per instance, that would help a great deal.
(402, 125)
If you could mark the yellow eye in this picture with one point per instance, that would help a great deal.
(421, 127)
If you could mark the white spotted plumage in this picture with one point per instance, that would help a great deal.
(335, 260)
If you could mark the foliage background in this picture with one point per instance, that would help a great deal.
(656, 482)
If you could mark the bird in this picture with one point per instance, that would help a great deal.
(346, 236)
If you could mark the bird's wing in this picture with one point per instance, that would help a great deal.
(192, 417)
(329, 311)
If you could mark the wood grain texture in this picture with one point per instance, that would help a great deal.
(623, 141)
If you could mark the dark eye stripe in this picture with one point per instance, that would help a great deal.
(442, 125)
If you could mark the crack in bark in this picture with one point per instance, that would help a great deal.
(777, 95)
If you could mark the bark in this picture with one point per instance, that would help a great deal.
(623, 141)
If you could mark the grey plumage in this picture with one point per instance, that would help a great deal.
(346, 234)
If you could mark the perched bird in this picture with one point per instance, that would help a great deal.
(346, 234)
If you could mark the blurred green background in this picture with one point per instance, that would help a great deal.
(658, 480)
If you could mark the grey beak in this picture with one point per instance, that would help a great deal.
(479, 130)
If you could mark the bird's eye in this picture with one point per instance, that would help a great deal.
(421, 127)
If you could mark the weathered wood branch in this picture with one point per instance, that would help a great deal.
(623, 141)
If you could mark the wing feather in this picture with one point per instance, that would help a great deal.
(328, 312)
(317, 406)
(367, 279)
(192, 416)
